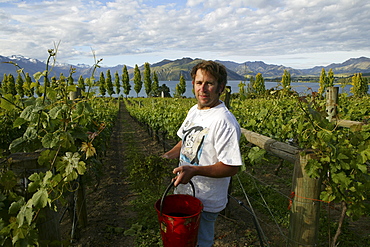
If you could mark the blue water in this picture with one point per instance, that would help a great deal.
(301, 88)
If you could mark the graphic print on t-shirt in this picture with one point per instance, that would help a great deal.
(192, 143)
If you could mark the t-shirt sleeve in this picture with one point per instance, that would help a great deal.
(227, 144)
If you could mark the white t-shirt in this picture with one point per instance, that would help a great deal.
(209, 136)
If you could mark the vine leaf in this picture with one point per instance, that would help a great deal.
(89, 149)
(6, 102)
(25, 212)
(256, 154)
(40, 198)
(73, 165)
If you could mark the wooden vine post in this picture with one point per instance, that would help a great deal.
(305, 205)
(331, 109)
(331, 102)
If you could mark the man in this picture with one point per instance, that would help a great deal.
(209, 148)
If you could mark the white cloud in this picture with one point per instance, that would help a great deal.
(213, 29)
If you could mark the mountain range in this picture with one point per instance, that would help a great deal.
(170, 70)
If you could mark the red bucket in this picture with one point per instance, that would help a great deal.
(179, 218)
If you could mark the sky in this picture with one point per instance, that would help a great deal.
(294, 33)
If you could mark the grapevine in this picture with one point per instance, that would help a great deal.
(341, 154)
(64, 132)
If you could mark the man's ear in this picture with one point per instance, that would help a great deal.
(222, 88)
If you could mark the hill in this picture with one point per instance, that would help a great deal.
(168, 70)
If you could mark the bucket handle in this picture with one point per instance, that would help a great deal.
(168, 189)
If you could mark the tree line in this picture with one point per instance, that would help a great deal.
(22, 84)
(256, 86)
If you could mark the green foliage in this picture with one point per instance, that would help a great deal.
(155, 85)
(19, 85)
(109, 83)
(180, 87)
(117, 83)
(250, 86)
(102, 87)
(153, 169)
(125, 81)
(285, 81)
(28, 89)
(341, 154)
(259, 84)
(138, 84)
(4, 85)
(242, 91)
(81, 83)
(354, 108)
(360, 85)
(164, 90)
(65, 130)
(164, 114)
(147, 79)
(325, 81)
(70, 80)
(11, 88)
(330, 78)
(156, 170)
(37, 87)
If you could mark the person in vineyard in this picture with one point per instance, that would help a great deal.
(209, 152)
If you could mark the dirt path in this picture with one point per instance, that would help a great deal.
(107, 205)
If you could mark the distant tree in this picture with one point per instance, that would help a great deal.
(117, 83)
(109, 83)
(330, 80)
(285, 81)
(19, 85)
(250, 86)
(147, 79)
(4, 85)
(11, 85)
(102, 84)
(81, 83)
(138, 84)
(125, 81)
(164, 90)
(323, 81)
(360, 85)
(259, 85)
(180, 87)
(28, 90)
(155, 85)
(242, 91)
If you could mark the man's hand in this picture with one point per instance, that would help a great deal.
(184, 174)
(218, 170)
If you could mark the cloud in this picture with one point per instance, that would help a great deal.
(221, 29)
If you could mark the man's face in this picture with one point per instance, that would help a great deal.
(206, 89)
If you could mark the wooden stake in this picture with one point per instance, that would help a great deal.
(331, 102)
(304, 218)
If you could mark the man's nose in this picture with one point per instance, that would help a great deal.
(203, 87)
